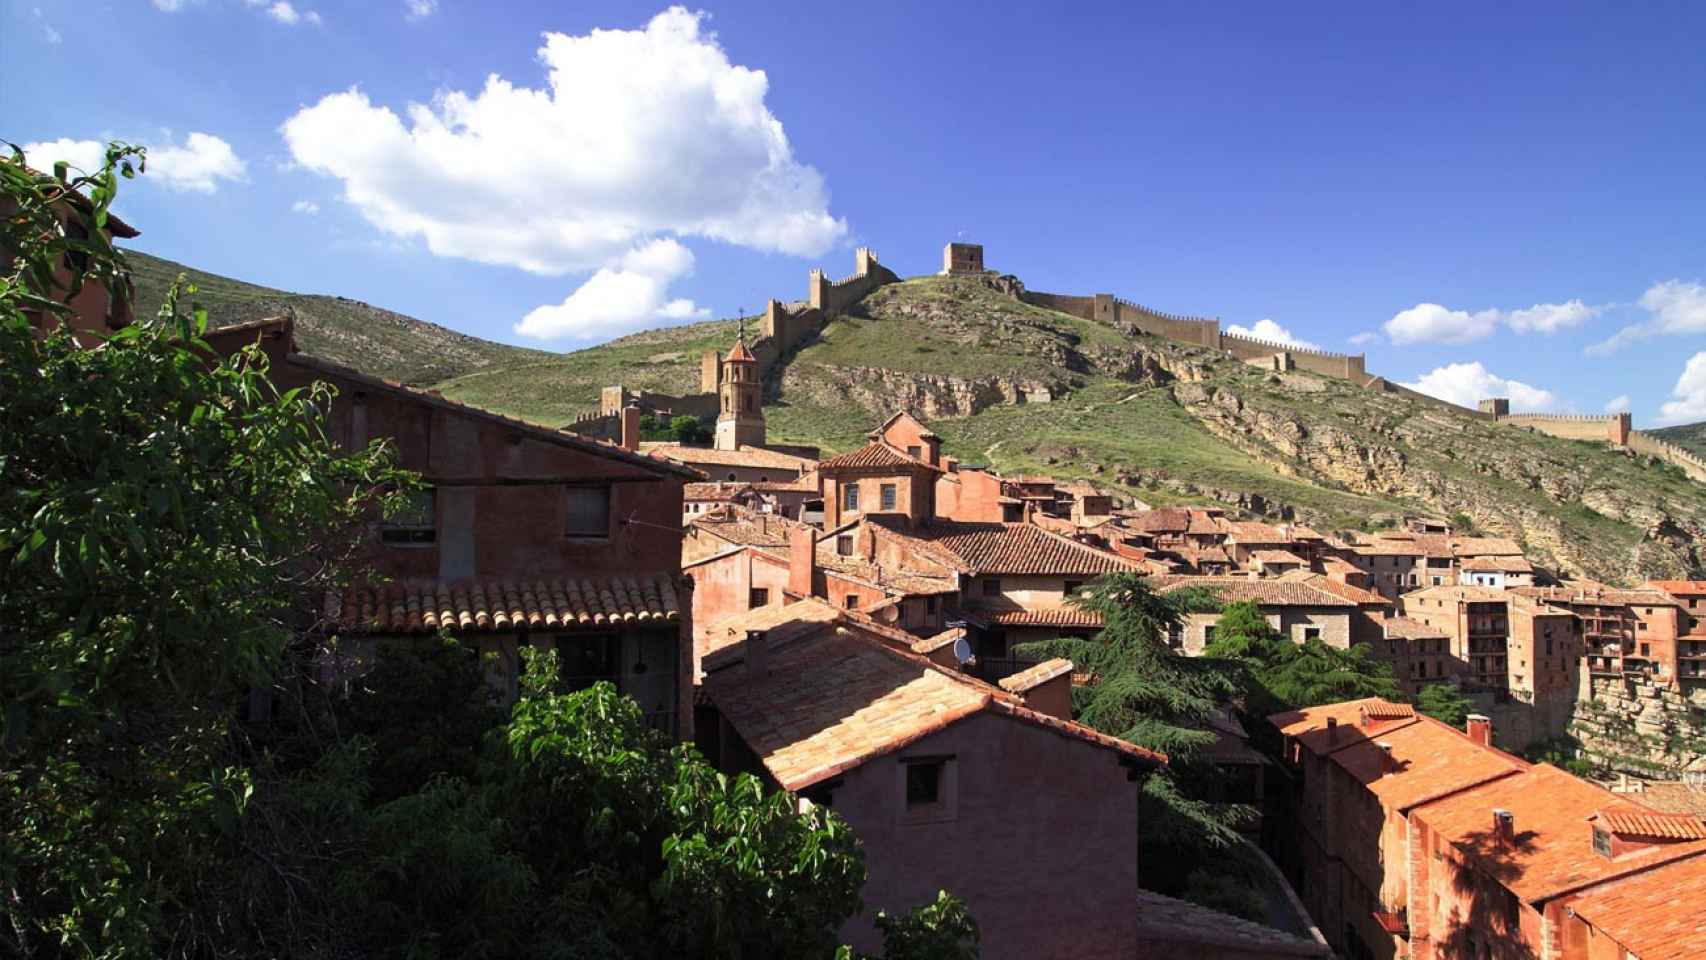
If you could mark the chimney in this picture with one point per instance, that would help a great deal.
(1362, 717)
(1332, 730)
(1480, 729)
(756, 652)
(1504, 827)
(1387, 763)
(802, 560)
(630, 421)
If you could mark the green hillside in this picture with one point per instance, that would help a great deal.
(1689, 436)
(339, 329)
(1031, 390)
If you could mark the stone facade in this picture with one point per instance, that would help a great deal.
(962, 258)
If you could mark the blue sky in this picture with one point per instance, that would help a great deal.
(1477, 195)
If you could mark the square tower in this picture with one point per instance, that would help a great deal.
(962, 258)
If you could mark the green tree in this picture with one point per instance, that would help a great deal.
(1282, 675)
(688, 429)
(1444, 703)
(941, 930)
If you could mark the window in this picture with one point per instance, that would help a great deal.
(1071, 587)
(1601, 842)
(757, 597)
(850, 497)
(1311, 633)
(1208, 634)
(589, 512)
(415, 522)
(731, 478)
(587, 660)
(992, 587)
(852, 601)
(930, 606)
(889, 495)
(924, 782)
(844, 545)
(915, 452)
(1548, 642)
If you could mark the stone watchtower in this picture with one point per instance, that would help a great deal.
(1496, 407)
(962, 258)
(740, 416)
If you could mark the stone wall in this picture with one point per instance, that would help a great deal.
(1649, 445)
(613, 399)
(1343, 366)
(1609, 428)
(1639, 726)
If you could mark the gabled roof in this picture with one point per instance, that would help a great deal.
(716, 491)
(876, 454)
(1250, 531)
(561, 438)
(491, 605)
(1484, 546)
(1497, 564)
(1683, 587)
(1654, 915)
(1162, 520)
(1404, 628)
(740, 354)
(834, 696)
(1276, 557)
(746, 455)
(1268, 593)
(923, 429)
(1020, 549)
(1356, 595)
(762, 530)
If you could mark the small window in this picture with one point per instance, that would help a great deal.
(992, 587)
(930, 606)
(757, 597)
(844, 545)
(890, 496)
(852, 601)
(731, 478)
(1311, 633)
(1071, 587)
(850, 497)
(415, 522)
(1208, 634)
(916, 453)
(924, 783)
(589, 512)
(1601, 839)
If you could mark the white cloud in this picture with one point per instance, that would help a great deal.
(620, 298)
(1689, 395)
(305, 206)
(1677, 309)
(419, 9)
(1272, 332)
(1364, 338)
(1618, 404)
(197, 165)
(1432, 323)
(637, 134)
(169, 6)
(1466, 384)
(52, 36)
(1549, 318)
(286, 13)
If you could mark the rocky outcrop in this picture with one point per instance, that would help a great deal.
(1641, 727)
(928, 395)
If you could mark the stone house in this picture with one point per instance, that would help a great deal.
(951, 783)
(93, 315)
(1690, 597)
(1498, 572)
(1419, 654)
(1624, 633)
(877, 479)
(975, 495)
(1507, 643)
(1394, 565)
(1300, 611)
(701, 498)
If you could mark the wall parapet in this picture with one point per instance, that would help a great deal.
(1691, 464)
(1279, 347)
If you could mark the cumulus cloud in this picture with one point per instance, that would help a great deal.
(1272, 332)
(169, 6)
(620, 298)
(419, 9)
(1688, 403)
(305, 206)
(636, 134)
(48, 33)
(1549, 318)
(1675, 308)
(1618, 404)
(1364, 338)
(196, 165)
(1466, 384)
(1432, 323)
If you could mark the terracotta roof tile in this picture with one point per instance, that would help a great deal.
(1166, 922)
(1669, 826)
(1162, 520)
(715, 491)
(1276, 556)
(762, 530)
(747, 455)
(947, 637)
(1356, 595)
(1036, 676)
(1276, 593)
(1505, 564)
(1044, 617)
(1250, 531)
(1484, 546)
(558, 603)
(1655, 915)
(1686, 587)
(876, 454)
(1020, 549)
(833, 697)
(1404, 628)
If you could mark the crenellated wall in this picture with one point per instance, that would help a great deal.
(1649, 445)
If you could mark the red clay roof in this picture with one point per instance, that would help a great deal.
(1276, 557)
(740, 354)
(834, 696)
(1669, 826)
(876, 454)
(1404, 628)
(557, 603)
(1654, 915)
(1356, 595)
(763, 530)
(1552, 852)
(718, 490)
(1020, 549)
(1036, 676)
(1045, 617)
(757, 458)
(1484, 546)
(1275, 593)
(1498, 563)
(1689, 587)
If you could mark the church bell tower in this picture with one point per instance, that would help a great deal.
(740, 418)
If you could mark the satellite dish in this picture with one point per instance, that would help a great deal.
(962, 650)
(888, 614)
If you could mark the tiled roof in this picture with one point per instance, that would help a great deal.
(1165, 922)
(1272, 593)
(757, 458)
(1201, 524)
(1552, 851)
(1036, 676)
(501, 605)
(1162, 520)
(1462, 592)
(1404, 628)
(1044, 617)
(1276, 556)
(1597, 596)
(1668, 826)
(1209, 554)
(946, 638)
(1654, 915)
(1356, 595)
(1688, 587)
(1504, 564)
(1250, 531)
(740, 354)
(1020, 549)
(833, 697)
(908, 582)
(1378, 709)
(763, 530)
(1388, 548)
(877, 455)
(718, 491)
(562, 438)
(1484, 546)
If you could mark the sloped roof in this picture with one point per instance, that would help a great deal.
(1265, 592)
(1020, 549)
(762, 530)
(1668, 826)
(717, 490)
(1655, 915)
(1061, 616)
(1276, 556)
(1164, 921)
(556, 603)
(1404, 628)
(1161, 520)
(1250, 531)
(834, 696)
(1687, 587)
(1356, 595)
(1498, 564)
(740, 354)
(876, 454)
(1484, 546)
(1032, 677)
(923, 428)
(746, 455)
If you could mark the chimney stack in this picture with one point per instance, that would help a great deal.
(1332, 730)
(630, 422)
(756, 652)
(1387, 763)
(1362, 717)
(802, 560)
(1480, 729)
(1504, 827)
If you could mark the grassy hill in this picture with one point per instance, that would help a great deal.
(1689, 436)
(1031, 390)
(339, 329)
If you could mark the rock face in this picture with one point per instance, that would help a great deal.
(932, 396)
(1642, 728)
